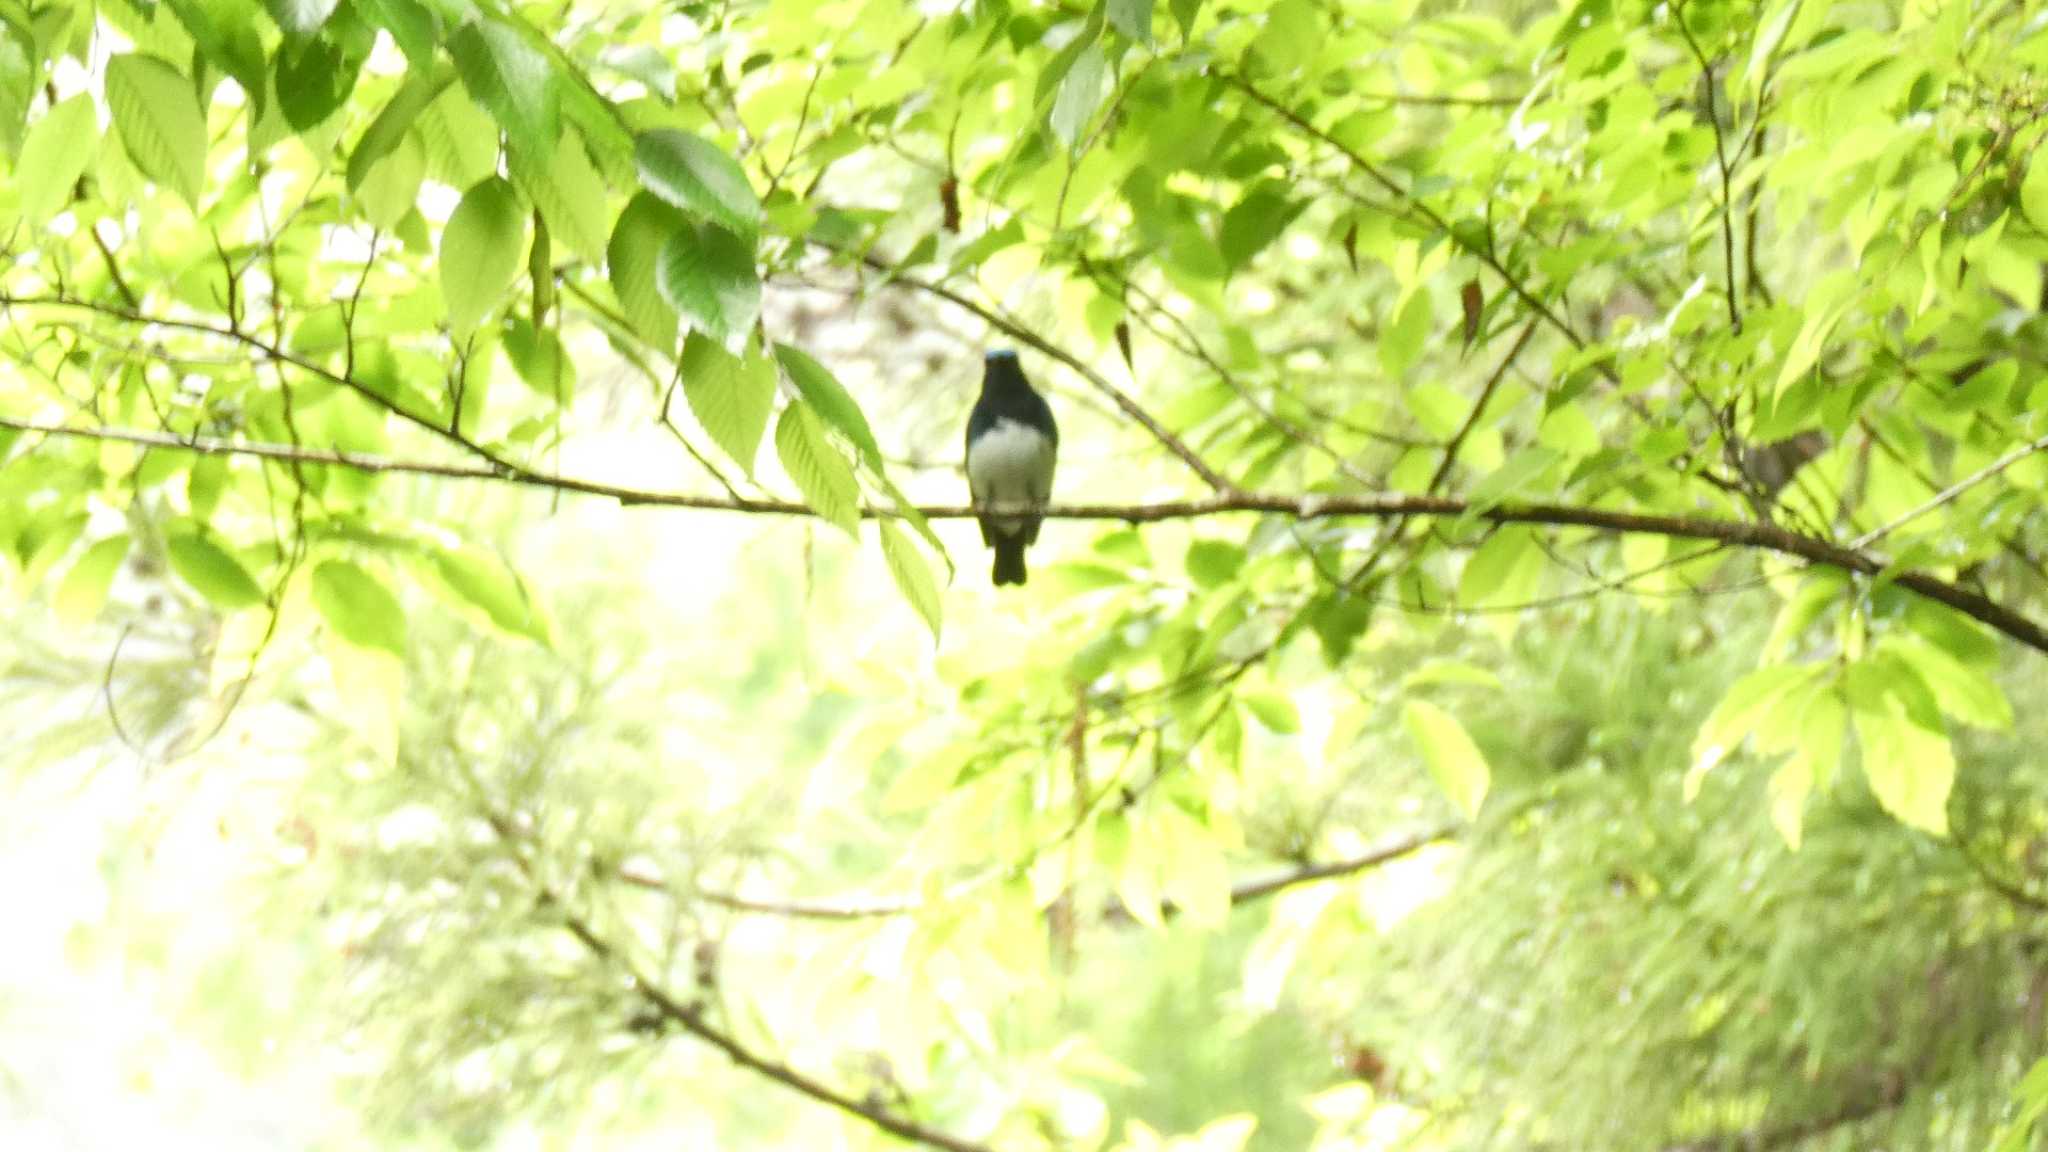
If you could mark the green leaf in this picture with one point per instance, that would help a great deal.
(19, 73)
(1080, 94)
(1906, 752)
(300, 17)
(1133, 18)
(1273, 710)
(2034, 192)
(54, 156)
(698, 177)
(1789, 787)
(461, 138)
(569, 193)
(1816, 594)
(1965, 693)
(540, 360)
(370, 684)
(393, 186)
(359, 607)
(212, 572)
(1732, 720)
(1506, 570)
(1401, 342)
(913, 576)
(1213, 563)
(513, 80)
(1521, 473)
(631, 259)
(730, 396)
(1812, 764)
(1184, 13)
(314, 79)
(160, 122)
(480, 252)
(815, 383)
(1460, 770)
(819, 471)
(395, 123)
(1256, 220)
(482, 582)
(1568, 431)
(228, 36)
(84, 588)
(411, 25)
(708, 275)
(1807, 345)
(990, 242)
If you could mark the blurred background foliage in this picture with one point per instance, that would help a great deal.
(373, 781)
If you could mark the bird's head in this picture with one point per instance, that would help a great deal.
(1000, 367)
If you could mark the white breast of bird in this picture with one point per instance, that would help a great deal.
(1010, 464)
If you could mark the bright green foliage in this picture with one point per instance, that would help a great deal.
(730, 396)
(818, 470)
(511, 78)
(481, 251)
(632, 257)
(707, 275)
(160, 122)
(1458, 765)
(358, 607)
(1599, 449)
(55, 155)
(697, 177)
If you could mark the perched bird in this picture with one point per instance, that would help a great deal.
(1011, 444)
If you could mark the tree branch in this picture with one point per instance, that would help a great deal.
(1756, 536)
(1246, 892)
(1252, 891)
(690, 1018)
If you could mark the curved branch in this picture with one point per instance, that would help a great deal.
(690, 1017)
(1744, 534)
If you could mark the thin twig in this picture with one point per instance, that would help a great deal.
(1950, 494)
(1009, 327)
(1408, 199)
(1721, 161)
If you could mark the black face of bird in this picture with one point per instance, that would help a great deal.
(1002, 372)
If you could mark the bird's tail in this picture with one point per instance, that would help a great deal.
(1009, 560)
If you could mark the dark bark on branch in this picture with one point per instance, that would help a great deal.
(1757, 536)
